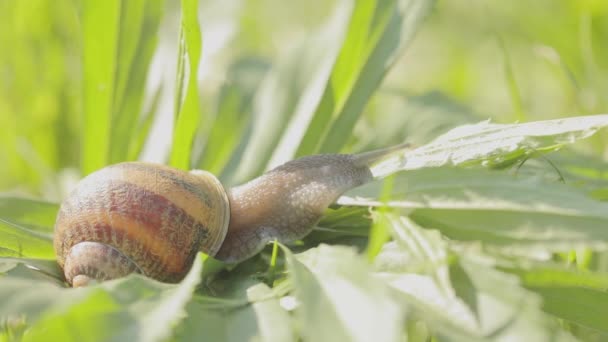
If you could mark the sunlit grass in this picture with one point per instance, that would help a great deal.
(484, 230)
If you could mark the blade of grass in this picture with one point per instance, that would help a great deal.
(100, 21)
(511, 81)
(226, 130)
(377, 33)
(234, 117)
(138, 39)
(138, 138)
(379, 232)
(188, 113)
(288, 92)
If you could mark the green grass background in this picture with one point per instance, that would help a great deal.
(508, 61)
(484, 236)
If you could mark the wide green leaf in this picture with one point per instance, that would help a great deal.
(338, 300)
(255, 314)
(26, 227)
(34, 214)
(35, 269)
(493, 145)
(132, 308)
(464, 299)
(19, 241)
(574, 295)
(499, 209)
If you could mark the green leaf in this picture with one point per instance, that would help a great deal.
(496, 208)
(273, 321)
(40, 269)
(132, 308)
(81, 321)
(464, 288)
(188, 112)
(231, 122)
(137, 42)
(286, 95)
(341, 225)
(34, 214)
(379, 232)
(493, 144)
(26, 228)
(205, 323)
(100, 21)
(492, 307)
(574, 295)
(137, 140)
(256, 316)
(376, 35)
(164, 314)
(417, 119)
(339, 300)
(20, 241)
(119, 40)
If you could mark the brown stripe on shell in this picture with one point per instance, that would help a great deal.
(158, 235)
(202, 197)
(161, 173)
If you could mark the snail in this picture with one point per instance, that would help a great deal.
(153, 219)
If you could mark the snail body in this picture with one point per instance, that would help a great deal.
(153, 219)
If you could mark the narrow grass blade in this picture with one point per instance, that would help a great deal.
(137, 42)
(188, 111)
(380, 232)
(376, 35)
(101, 22)
(139, 135)
(226, 131)
(287, 95)
(235, 116)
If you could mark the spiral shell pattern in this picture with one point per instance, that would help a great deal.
(155, 216)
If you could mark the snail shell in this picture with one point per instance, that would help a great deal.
(139, 217)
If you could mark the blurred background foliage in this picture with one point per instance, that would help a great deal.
(471, 60)
(85, 83)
